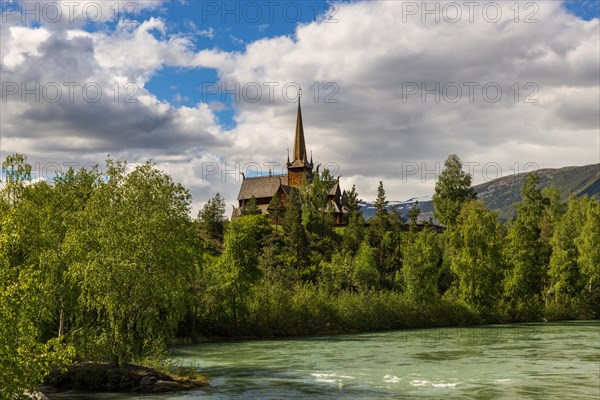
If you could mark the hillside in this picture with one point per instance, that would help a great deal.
(501, 194)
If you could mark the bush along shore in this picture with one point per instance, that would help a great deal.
(105, 377)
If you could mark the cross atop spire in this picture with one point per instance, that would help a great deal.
(299, 143)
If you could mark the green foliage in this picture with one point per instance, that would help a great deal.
(134, 251)
(354, 233)
(476, 245)
(421, 268)
(316, 210)
(336, 275)
(413, 216)
(524, 250)
(276, 209)
(109, 267)
(381, 212)
(588, 245)
(17, 172)
(452, 189)
(294, 234)
(365, 275)
(350, 202)
(379, 234)
(564, 272)
(28, 286)
(238, 267)
(251, 208)
(25, 357)
(211, 218)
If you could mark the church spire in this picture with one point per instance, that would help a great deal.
(299, 144)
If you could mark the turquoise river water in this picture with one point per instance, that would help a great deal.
(526, 361)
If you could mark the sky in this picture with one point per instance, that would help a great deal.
(208, 89)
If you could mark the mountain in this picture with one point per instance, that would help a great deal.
(501, 194)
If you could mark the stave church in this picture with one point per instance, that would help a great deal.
(299, 172)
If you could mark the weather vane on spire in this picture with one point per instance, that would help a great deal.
(299, 92)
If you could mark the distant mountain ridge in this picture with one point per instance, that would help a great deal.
(501, 194)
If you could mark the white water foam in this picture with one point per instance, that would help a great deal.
(444, 384)
(391, 379)
(418, 382)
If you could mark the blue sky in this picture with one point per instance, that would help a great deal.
(229, 26)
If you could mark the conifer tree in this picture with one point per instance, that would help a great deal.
(524, 248)
(452, 189)
(212, 218)
(251, 208)
(294, 234)
(350, 202)
(276, 209)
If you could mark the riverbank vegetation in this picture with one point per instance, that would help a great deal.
(108, 266)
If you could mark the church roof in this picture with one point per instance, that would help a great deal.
(262, 186)
(334, 189)
(300, 164)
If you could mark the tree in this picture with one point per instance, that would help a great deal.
(251, 208)
(212, 218)
(365, 275)
(413, 216)
(25, 357)
(26, 292)
(135, 251)
(353, 233)
(476, 245)
(381, 211)
(421, 267)
(17, 172)
(452, 190)
(276, 209)
(238, 266)
(316, 212)
(588, 244)
(294, 234)
(379, 228)
(564, 272)
(350, 202)
(524, 249)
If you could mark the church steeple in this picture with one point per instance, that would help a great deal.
(300, 168)
(299, 143)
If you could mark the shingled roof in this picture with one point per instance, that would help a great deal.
(261, 187)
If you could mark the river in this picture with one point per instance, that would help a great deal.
(525, 361)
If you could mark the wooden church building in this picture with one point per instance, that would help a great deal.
(299, 171)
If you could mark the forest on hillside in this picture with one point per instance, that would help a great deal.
(109, 265)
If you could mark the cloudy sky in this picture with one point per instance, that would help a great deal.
(207, 89)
